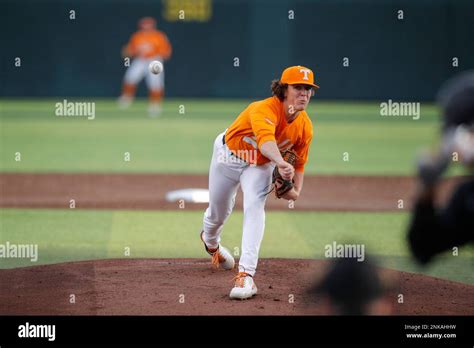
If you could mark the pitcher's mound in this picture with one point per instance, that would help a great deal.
(192, 287)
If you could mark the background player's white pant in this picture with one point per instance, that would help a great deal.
(139, 69)
(226, 174)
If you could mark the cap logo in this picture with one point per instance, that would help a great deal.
(305, 73)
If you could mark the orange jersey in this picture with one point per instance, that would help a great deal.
(148, 44)
(264, 121)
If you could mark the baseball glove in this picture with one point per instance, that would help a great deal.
(280, 185)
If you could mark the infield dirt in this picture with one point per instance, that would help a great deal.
(192, 287)
(148, 192)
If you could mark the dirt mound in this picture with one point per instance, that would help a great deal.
(148, 191)
(192, 287)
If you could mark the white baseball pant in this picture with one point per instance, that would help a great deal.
(226, 174)
(139, 69)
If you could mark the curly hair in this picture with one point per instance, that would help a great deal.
(278, 89)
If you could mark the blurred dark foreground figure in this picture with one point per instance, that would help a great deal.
(434, 230)
(353, 288)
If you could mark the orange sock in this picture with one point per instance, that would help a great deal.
(155, 95)
(128, 89)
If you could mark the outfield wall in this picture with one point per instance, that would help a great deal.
(388, 57)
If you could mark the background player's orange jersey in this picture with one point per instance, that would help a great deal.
(149, 43)
(264, 121)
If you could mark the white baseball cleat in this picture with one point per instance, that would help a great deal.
(124, 102)
(221, 257)
(154, 109)
(244, 287)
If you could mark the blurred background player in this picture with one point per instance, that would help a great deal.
(146, 45)
(437, 229)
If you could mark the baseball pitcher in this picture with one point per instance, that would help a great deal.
(264, 149)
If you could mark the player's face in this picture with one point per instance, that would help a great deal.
(299, 96)
(147, 25)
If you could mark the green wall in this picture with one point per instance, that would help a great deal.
(388, 58)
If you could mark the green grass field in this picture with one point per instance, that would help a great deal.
(70, 235)
(182, 143)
